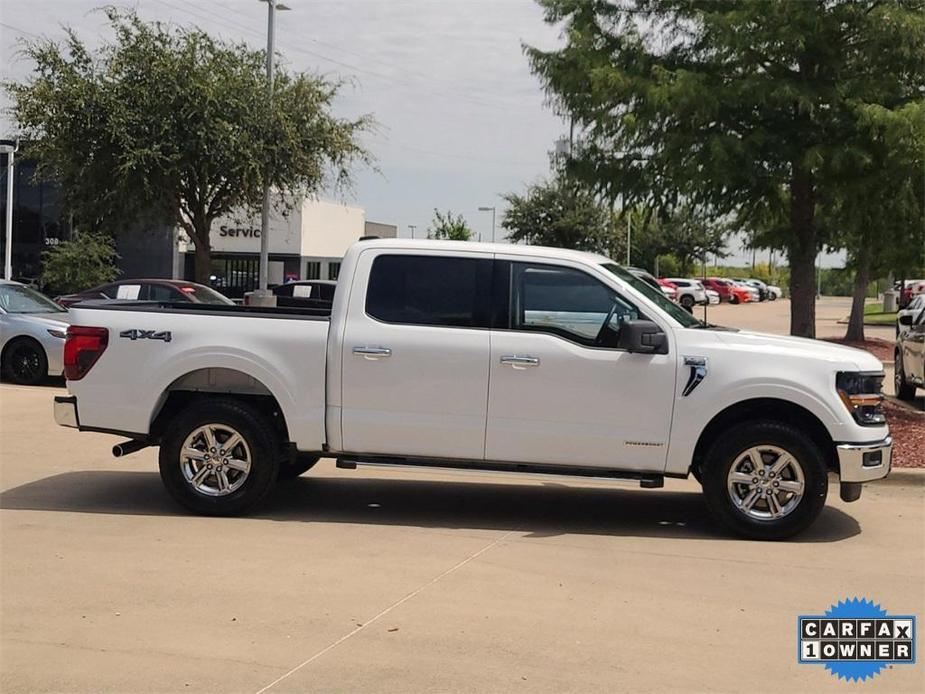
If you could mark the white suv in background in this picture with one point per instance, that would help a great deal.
(690, 292)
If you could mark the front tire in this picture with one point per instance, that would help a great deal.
(687, 301)
(219, 457)
(904, 389)
(765, 480)
(24, 362)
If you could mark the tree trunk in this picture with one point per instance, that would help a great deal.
(861, 280)
(203, 256)
(802, 253)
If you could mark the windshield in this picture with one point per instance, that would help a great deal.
(654, 295)
(15, 298)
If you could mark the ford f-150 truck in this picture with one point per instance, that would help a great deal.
(487, 357)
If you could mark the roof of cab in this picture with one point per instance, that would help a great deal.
(479, 247)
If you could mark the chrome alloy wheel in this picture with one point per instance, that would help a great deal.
(765, 482)
(215, 460)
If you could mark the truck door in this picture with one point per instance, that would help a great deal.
(415, 354)
(560, 392)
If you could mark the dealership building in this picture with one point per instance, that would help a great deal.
(307, 241)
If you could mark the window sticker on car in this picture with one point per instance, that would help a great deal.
(128, 291)
(302, 290)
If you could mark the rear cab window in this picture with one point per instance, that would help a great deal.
(437, 290)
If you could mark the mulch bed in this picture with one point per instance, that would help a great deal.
(907, 427)
(882, 349)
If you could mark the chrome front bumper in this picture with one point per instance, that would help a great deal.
(66, 411)
(863, 462)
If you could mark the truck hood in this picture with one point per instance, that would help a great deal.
(802, 348)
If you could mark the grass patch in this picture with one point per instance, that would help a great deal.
(874, 315)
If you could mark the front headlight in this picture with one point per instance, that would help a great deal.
(861, 393)
(57, 333)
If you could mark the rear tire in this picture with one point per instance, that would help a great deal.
(733, 299)
(202, 475)
(687, 301)
(904, 389)
(24, 362)
(768, 505)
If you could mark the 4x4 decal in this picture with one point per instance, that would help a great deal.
(147, 335)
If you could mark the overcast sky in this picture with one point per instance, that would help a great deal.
(460, 117)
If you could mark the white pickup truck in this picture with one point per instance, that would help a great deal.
(484, 357)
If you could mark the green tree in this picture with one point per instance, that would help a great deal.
(87, 260)
(879, 216)
(449, 227)
(557, 213)
(730, 103)
(170, 122)
(688, 233)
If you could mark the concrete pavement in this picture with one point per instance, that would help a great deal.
(406, 581)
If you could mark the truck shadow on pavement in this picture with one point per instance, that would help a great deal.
(548, 509)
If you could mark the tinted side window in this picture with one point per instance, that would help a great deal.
(568, 303)
(430, 290)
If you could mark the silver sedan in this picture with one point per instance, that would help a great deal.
(32, 332)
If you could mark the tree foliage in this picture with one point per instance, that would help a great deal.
(687, 232)
(88, 259)
(168, 121)
(449, 227)
(730, 104)
(559, 214)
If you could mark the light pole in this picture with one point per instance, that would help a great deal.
(9, 148)
(412, 227)
(264, 267)
(492, 210)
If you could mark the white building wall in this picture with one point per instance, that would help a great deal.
(328, 228)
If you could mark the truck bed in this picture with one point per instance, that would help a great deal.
(155, 348)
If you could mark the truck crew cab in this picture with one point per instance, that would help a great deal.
(480, 356)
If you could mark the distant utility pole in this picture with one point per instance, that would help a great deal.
(272, 6)
(9, 147)
(412, 227)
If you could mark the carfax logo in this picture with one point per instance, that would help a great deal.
(856, 639)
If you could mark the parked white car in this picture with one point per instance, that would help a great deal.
(481, 357)
(774, 292)
(32, 331)
(912, 309)
(712, 296)
(690, 292)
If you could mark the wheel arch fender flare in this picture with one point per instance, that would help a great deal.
(234, 378)
(774, 409)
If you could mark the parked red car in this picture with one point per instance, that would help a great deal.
(148, 290)
(727, 290)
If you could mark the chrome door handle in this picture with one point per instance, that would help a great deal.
(372, 352)
(518, 361)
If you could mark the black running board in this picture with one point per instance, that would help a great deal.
(647, 480)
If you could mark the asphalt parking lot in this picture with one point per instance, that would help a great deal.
(401, 581)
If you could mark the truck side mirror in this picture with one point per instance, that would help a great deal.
(905, 319)
(642, 336)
